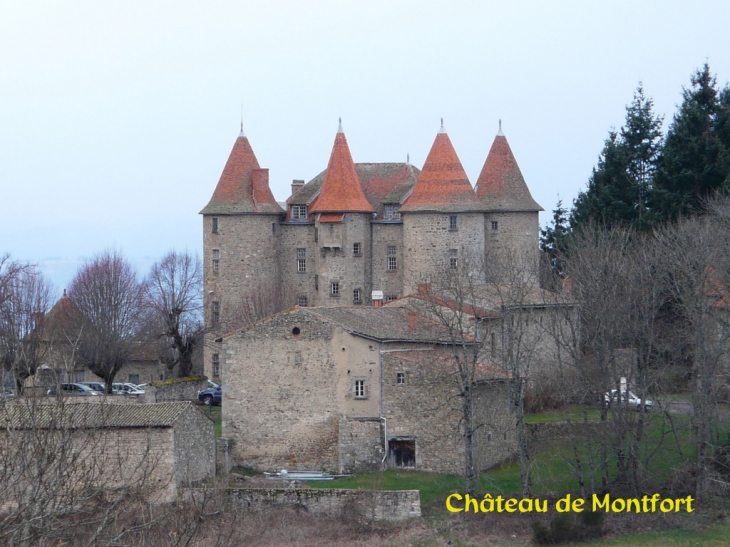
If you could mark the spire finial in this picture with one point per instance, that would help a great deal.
(241, 134)
(408, 158)
(499, 133)
(442, 130)
(339, 128)
(64, 293)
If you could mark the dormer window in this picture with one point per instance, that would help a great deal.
(391, 212)
(299, 212)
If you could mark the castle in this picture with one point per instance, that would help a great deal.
(357, 233)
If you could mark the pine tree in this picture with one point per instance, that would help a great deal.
(695, 162)
(553, 237)
(620, 185)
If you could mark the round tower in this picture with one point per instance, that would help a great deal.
(511, 222)
(239, 245)
(443, 220)
(342, 217)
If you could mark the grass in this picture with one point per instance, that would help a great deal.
(553, 469)
(571, 413)
(214, 412)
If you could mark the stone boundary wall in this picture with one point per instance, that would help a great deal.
(386, 505)
(174, 390)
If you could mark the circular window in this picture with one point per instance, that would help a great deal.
(295, 331)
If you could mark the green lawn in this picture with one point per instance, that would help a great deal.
(215, 413)
(571, 413)
(553, 469)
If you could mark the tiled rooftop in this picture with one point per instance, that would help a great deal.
(243, 185)
(501, 186)
(341, 191)
(90, 415)
(442, 185)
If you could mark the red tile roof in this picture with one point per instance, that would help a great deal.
(501, 186)
(330, 217)
(341, 191)
(243, 186)
(442, 185)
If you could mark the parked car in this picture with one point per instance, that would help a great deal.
(73, 389)
(628, 399)
(126, 389)
(96, 386)
(211, 396)
(212, 384)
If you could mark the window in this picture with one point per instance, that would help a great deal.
(214, 225)
(494, 345)
(392, 259)
(299, 212)
(400, 378)
(391, 297)
(297, 357)
(391, 212)
(216, 365)
(357, 249)
(495, 225)
(215, 315)
(134, 379)
(301, 260)
(453, 259)
(360, 389)
(302, 301)
(453, 226)
(216, 260)
(357, 296)
(335, 288)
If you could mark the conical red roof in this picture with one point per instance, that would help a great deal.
(341, 190)
(236, 191)
(442, 184)
(501, 186)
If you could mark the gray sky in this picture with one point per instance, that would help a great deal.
(116, 118)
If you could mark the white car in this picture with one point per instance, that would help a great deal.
(126, 389)
(629, 399)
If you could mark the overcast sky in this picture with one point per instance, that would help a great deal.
(116, 118)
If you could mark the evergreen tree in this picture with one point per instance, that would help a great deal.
(695, 162)
(620, 185)
(552, 238)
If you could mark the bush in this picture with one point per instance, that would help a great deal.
(566, 527)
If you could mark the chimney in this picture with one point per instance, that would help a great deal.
(567, 285)
(377, 298)
(411, 322)
(296, 185)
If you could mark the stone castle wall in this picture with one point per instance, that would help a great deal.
(428, 239)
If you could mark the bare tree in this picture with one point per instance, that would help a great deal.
(173, 296)
(25, 298)
(109, 297)
(696, 260)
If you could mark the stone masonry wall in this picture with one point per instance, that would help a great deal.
(390, 282)
(247, 263)
(424, 409)
(279, 407)
(174, 390)
(515, 241)
(293, 236)
(495, 439)
(427, 241)
(361, 444)
(194, 435)
(391, 505)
